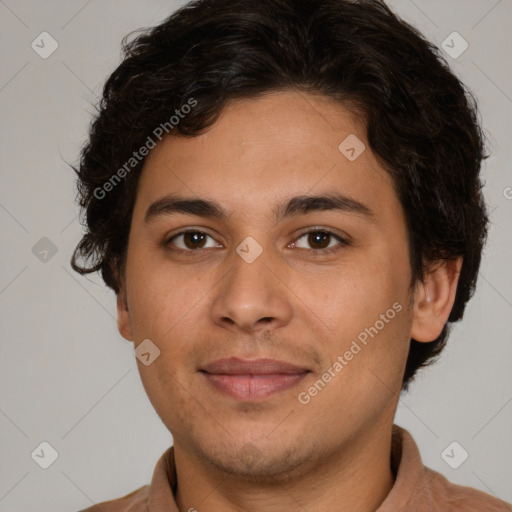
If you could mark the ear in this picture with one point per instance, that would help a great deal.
(123, 316)
(433, 300)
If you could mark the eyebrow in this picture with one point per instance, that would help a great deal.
(299, 205)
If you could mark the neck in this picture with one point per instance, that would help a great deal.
(358, 476)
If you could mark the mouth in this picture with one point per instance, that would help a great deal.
(252, 379)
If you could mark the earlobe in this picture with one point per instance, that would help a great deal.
(123, 317)
(433, 300)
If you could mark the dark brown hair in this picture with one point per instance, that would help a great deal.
(422, 122)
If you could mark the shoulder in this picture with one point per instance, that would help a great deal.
(419, 488)
(136, 501)
(449, 497)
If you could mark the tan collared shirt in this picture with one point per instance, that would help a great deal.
(416, 488)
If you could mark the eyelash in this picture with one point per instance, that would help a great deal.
(342, 241)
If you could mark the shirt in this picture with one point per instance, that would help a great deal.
(416, 487)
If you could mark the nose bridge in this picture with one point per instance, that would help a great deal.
(251, 296)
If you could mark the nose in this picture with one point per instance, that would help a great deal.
(252, 296)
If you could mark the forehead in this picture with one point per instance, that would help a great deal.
(265, 149)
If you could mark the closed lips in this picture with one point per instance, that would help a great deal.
(252, 380)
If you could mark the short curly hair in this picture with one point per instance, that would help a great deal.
(422, 123)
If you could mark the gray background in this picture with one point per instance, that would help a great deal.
(66, 375)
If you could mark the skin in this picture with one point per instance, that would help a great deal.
(294, 303)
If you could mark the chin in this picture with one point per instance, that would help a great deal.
(260, 464)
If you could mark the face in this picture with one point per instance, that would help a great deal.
(283, 321)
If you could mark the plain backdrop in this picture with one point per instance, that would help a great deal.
(68, 378)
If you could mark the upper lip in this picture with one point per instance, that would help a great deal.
(262, 366)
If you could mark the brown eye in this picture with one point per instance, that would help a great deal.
(194, 240)
(320, 240)
(191, 240)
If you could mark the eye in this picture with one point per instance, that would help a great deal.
(191, 240)
(321, 241)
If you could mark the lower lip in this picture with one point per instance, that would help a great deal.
(253, 387)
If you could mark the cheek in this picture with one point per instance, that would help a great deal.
(365, 306)
(367, 362)
(160, 298)
(351, 296)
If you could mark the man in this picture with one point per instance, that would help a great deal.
(285, 197)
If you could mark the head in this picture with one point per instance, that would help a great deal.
(269, 111)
